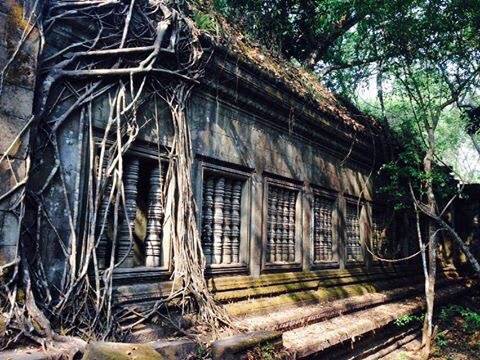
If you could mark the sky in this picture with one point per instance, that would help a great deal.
(464, 159)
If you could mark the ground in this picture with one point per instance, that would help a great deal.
(458, 332)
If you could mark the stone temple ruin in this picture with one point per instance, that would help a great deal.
(286, 199)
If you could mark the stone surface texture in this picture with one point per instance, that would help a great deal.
(16, 104)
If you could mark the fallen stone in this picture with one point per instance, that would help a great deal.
(65, 348)
(175, 349)
(231, 347)
(119, 351)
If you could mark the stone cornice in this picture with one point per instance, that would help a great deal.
(251, 89)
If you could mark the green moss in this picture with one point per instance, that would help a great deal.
(313, 296)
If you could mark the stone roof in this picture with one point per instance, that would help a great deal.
(303, 82)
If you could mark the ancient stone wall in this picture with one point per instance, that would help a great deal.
(466, 218)
(265, 161)
(16, 103)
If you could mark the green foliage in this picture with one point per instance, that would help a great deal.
(205, 22)
(426, 55)
(470, 317)
(265, 351)
(441, 340)
(406, 320)
(407, 167)
(201, 352)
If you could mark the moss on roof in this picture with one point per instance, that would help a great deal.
(300, 80)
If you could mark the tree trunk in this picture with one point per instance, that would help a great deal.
(432, 248)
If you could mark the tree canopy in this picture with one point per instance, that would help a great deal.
(422, 57)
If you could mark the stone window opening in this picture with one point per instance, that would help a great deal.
(281, 225)
(353, 242)
(323, 228)
(139, 231)
(282, 245)
(225, 217)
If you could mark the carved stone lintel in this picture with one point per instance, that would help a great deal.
(153, 241)
(125, 242)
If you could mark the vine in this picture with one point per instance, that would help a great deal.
(140, 52)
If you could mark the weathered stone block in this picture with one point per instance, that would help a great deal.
(10, 127)
(16, 101)
(11, 173)
(118, 351)
(9, 228)
(3, 28)
(176, 349)
(232, 347)
(7, 254)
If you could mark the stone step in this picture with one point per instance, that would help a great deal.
(344, 329)
(295, 317)
(321, 294)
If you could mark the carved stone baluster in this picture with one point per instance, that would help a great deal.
(354, 249)
(227, 220)
(125, 242)
(321, 229)
(324, 230)
(236, 194)
(286, 225)
(218, 220)
(153, 242)
(315, 228)
(358, 246)
(207, 221)
(272, 210)
(329, 226)
(291, 233)
(318, 233)
(349, 233)
(103, 255)
(280, 224)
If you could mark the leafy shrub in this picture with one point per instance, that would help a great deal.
(441, 340)
(470, 317)
(205, 22)
(408, 319)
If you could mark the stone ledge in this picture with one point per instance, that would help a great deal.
(296, 317)
(232, 347)
(318, 337)
(315, 296)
